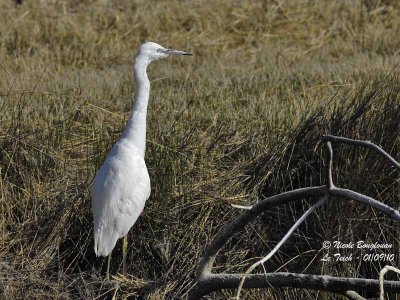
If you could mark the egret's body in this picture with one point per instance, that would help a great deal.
(122, 184)
(119, 193)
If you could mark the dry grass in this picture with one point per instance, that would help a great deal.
(238, 121)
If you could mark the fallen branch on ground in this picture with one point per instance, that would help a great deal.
(208, 282)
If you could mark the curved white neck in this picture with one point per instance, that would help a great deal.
(135, 130)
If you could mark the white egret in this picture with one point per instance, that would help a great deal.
(122, 184)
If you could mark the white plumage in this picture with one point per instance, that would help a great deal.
(122, 184)
(119, 193)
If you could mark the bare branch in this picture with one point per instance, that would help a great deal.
(391, 212)
(364, 144)
(215, 282)
(276, 248)
(207, 261)
(208, 282)
(382, 277)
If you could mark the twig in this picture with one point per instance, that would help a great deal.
(329, 180)
(382, 277)
(352, 295)
(364, 144)
(241, 206)
(284, 239)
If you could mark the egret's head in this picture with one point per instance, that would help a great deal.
(153, 51)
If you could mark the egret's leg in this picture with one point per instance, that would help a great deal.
(108, 266)
(124, 248)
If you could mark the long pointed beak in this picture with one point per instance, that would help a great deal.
(177, 52)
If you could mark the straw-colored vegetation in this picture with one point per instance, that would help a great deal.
(239, 120)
